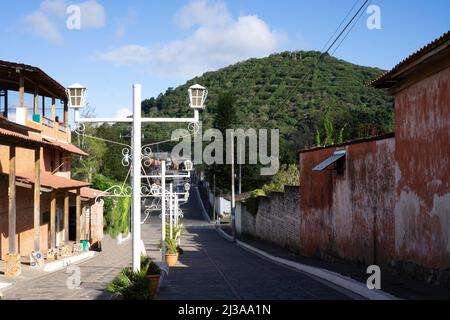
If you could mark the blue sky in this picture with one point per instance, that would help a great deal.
(162, 44)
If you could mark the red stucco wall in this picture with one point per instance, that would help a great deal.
(422, 211)
(349, 216)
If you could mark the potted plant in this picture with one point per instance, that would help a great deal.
(171, 252)
(153, 272)
(132, 285)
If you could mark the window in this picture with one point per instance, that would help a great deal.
(338, 157)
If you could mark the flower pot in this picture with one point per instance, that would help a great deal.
(171, 259)
(153, 284)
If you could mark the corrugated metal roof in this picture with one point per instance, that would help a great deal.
(380, 81)
(328, 162)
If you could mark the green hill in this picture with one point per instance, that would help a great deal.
(259, 86)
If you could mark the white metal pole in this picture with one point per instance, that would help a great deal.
(176, 217)
(233, 202)
(163, 210)
(171, 211)
(136, 177)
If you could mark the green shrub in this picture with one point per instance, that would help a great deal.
(116, 210)
(131, 285)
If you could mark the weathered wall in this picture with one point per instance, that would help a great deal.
(277, 220)
(96, 221)
(349, 216)
(24, 226)
(422, 211)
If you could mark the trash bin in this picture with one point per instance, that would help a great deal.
(85, 244)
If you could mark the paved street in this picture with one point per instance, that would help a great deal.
(96, 273)
(213, 268)
(210, 268)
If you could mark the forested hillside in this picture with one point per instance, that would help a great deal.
(267, 93)
(260, 88)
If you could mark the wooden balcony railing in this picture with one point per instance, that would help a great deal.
(48, 122)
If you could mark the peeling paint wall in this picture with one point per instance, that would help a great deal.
(349, 216)
(422, 211)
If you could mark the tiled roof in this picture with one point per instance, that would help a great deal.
(90, 193)
(55, 182)
(380, 82)
(21, 139)
(36, 75)
(51, 181)
(67, 147)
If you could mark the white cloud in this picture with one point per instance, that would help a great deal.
(93, 15)
(217, 41)
(123, 23)
(127, 55)
(49, 20)
(42, 26)
(203, 13)
(122, 113)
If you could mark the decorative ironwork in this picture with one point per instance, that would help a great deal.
(116, 191)
(127, 156)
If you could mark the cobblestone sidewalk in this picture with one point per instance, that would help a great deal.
(95, 273)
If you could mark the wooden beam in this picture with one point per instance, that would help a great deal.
(21, 91)
(43, 106)
(66, 217)
(37, 199)
(78, 213)
(53, 108)
(12, 201)
(36, 101)
(83, 223)
(66, 113)
(53, 220)
(6, 104)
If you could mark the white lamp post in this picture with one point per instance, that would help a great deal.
(197, 96)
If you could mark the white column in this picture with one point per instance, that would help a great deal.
(136, 177)
(171, 211)
(163, 210)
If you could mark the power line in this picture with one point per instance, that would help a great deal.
(351, 28)
(300, 81)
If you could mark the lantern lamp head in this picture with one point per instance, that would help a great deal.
(197, 96)
(188, 165)
(77, 95)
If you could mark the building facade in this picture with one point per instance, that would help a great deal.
(386, 200)
(42, 209)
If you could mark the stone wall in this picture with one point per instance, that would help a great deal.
(277, 220)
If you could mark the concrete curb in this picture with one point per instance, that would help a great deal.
(3, 285)
(121, 239)
(330, 276)
(61, 264)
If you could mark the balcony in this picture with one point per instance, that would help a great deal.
(49, 127)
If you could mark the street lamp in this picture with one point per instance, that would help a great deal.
(197, 96)
(188, 166)
(77, 95)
